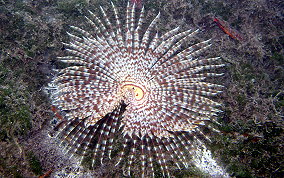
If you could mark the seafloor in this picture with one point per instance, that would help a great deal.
(250, 143)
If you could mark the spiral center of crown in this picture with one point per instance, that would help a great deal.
(136, 91)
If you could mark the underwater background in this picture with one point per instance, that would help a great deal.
(248, 35)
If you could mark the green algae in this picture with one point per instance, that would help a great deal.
(244, 147)
(217, 8)
(34, 163)
(72, 7)
(14, 113)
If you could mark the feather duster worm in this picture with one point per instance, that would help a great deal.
(144, 86)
